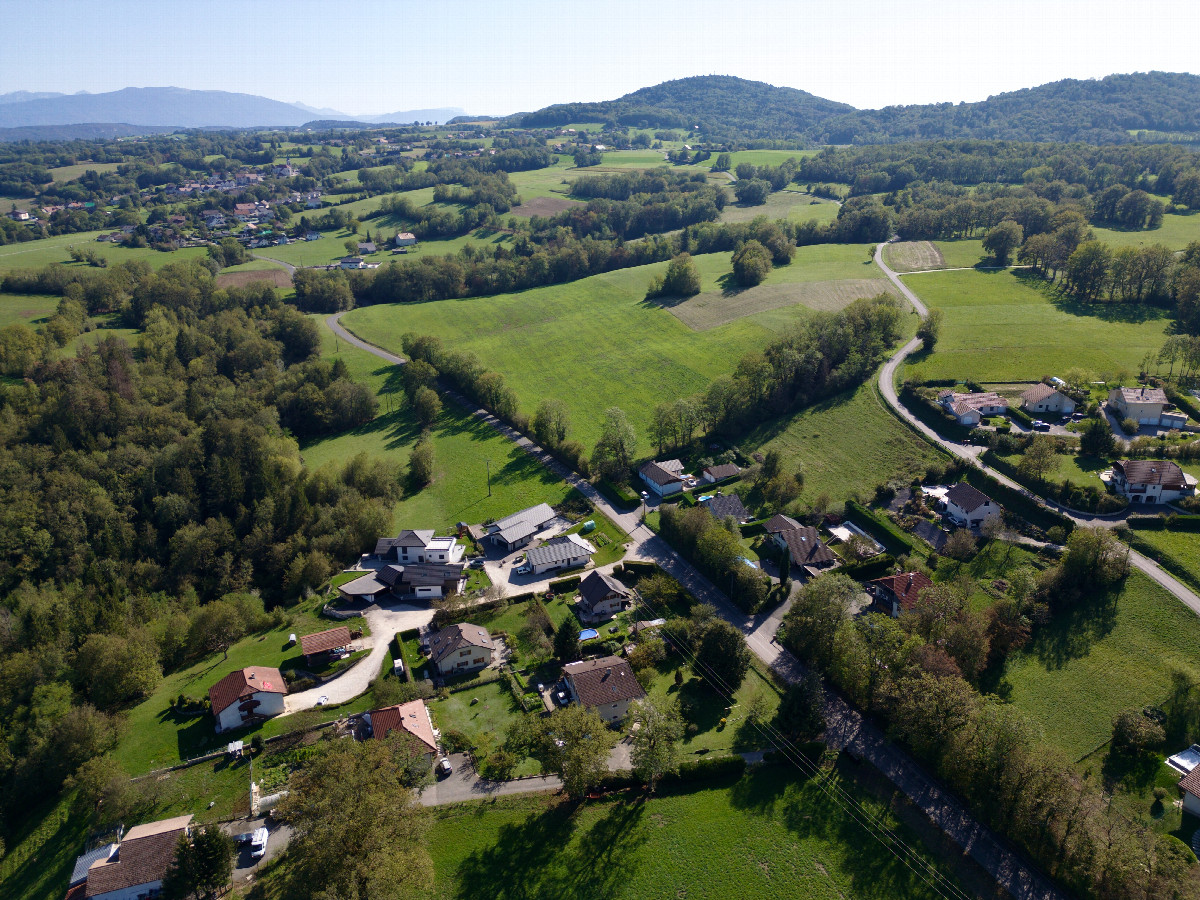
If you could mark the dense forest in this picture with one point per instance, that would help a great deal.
(724, 108)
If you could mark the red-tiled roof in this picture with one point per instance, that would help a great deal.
(244, 683)
(325, 640)
(1039, 391)
(412, 717)
(1191, 782)
(906, 587)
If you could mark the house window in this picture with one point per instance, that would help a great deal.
(464, 652)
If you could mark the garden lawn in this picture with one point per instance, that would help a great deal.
(596, 343)
(1081, 470)
(27, 308)
(845, 445)
(461, 446)
(35, 254)
(769, 834)
(1087, 666)
(1010, 326)
(709, 708)
(483, 713)
(608, 539)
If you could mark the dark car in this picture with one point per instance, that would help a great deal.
(243, 839)
(1039, 425)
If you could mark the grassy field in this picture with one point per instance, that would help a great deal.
(35, 254)
(1085, 667)
(770, 834)
(331, 247)
(26, 308)
(913, 256)
(1184, 546)
(1005, 326)
(63, 174)
(845, 445)
(596, 342)
(788, 204)
(1176, 232)
(956, 254)
(1081, 470)
(461, 445)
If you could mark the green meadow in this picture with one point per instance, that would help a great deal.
(1003, 326)
(35, 254)
(26, 308)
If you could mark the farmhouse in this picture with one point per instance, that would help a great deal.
(807, 549)
(969, 409)
(352, 262)
(605, 685)
(1151, 481)
(517, 530)
(312, 236)
(601, 597)
(897, 593)
(324, 642)
(663, 478)
(430, 581)
(412, 718)
(247, 695)
(404, 239)
(1142, 404)
(967, 506)
(724, 505)
(567, 552)
(719, 473)
(1044, 398)
(365, 247)
(419, 547)
(461, 648)
(135, 867)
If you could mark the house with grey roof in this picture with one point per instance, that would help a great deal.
(722, 506)
(567, 552)
(424, 581)
(461, 648)
(601, 597)
(970, 507)
(1151, 481)
(411, 546)
(516, 531)
(662, 478)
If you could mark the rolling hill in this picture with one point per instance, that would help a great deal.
(1107, 110)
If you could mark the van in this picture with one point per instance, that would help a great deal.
(258, 843)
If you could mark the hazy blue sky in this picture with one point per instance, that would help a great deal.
(501, 57)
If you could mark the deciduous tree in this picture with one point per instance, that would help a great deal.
(655, 742)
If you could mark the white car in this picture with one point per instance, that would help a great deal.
(258, 843)
(322, 700)
(444, 766)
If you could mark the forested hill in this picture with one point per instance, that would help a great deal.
(726, 108)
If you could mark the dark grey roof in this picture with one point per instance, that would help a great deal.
(598, 585)
(724, 505)
(407, 538)
(966, 498)
(452, 638)
(657, 474)
(522, 524)
(932, 535)
(559, 550)
(779, 523)
(806, 546)
(420, 574)
(726, 470)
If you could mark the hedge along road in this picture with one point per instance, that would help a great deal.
(846, 728)
(887, 387)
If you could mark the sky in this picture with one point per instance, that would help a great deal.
(502, 57)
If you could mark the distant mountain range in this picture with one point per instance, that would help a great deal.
(174, 107)
(726, 108)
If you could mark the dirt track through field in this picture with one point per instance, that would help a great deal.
(714, 308)
(914, 256)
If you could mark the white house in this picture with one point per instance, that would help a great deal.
(662, 478)
(461, 648)
(1190, 785)
(969, 409)
(601, 597)
(606, 685)
(404, 239)
(967, 506)
(1043, 398)
(419, 547)
(352, 262)
(424, 581)
(719, 473)
(1151, 481)
(898, 593)
(135, 867)
(247, 695)
(1142, 404)
(567, 552)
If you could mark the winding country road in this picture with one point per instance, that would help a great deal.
(846, 727)
(887, 387)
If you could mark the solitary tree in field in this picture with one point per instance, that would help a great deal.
(1002, 240)
(655, 741)
(928, 330)
(751, 264)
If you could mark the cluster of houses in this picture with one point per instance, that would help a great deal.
(416, 565)
(663, 478)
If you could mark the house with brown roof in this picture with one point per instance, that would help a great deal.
(1142, 404)
(898, 593)
(323, 642)
(1045, 398)
(808, 552)
(136, 868)
(461, 648)
(1190, 785)
(970, 508)
(661, 478)
(601, 597)
(713, 474)
(423, 546)
(779, 523)
(969, 409)
(247, 695)
(606, 685)
(411, 718)
(1151, 481)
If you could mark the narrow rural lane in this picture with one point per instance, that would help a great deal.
(291, 269)
(887, 387)
(846, 726)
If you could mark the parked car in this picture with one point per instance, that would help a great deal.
(322, 700)
(477, 563)
(444, 767)
(560, 697)
(1039, 425)
(243, 839)
(522, 569)
(258, 844)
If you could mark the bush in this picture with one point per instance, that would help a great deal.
(455, 741)
(565, 585)
(1133, 732)
(1129, 426)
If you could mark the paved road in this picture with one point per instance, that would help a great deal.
(887, 387)
(290, 268)
(847, 728)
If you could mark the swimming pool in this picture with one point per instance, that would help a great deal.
(588, 633)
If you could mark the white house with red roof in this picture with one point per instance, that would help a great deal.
(898, 593)
(247, 695)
